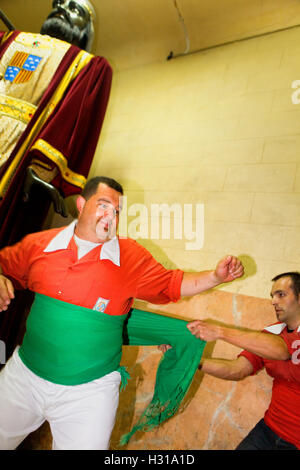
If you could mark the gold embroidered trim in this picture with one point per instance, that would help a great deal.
(16, 109)
(61, 161)
(6, 36)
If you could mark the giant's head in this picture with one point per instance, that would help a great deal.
(72, 21)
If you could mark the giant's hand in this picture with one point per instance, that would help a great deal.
(228, 269)
(6, 292)
(33, 179)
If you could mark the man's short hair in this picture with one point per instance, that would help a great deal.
(93, 183)
(295, 277)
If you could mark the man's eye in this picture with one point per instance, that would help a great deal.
(76, 9)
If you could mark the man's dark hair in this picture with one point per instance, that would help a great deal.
(295, 277)
(93, 183)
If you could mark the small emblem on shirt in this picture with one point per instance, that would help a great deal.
(101, 304)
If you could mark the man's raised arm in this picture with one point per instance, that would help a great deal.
(228, 269)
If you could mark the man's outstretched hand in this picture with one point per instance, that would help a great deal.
(228, 269)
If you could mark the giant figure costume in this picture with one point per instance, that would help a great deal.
(53, 98)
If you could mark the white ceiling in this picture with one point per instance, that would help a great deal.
(131, 33)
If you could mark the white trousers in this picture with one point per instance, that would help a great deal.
(80, 416)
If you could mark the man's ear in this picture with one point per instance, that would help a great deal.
(80, 203)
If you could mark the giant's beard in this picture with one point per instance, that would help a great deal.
(58, 28)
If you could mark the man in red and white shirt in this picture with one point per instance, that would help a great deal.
(280, 427)
(84, 264)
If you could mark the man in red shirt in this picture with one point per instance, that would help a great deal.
(85, 265)
(280, 427)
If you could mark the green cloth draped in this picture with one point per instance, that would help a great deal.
(70, 345)
(176, 368)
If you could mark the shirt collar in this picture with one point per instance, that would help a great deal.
(110, 250)
(278, 328)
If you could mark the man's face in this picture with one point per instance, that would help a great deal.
(99, 215)
(286, 304)
(69, 21)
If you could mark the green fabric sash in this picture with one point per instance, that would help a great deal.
(71, 345)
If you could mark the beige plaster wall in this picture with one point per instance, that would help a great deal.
(217, 128)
